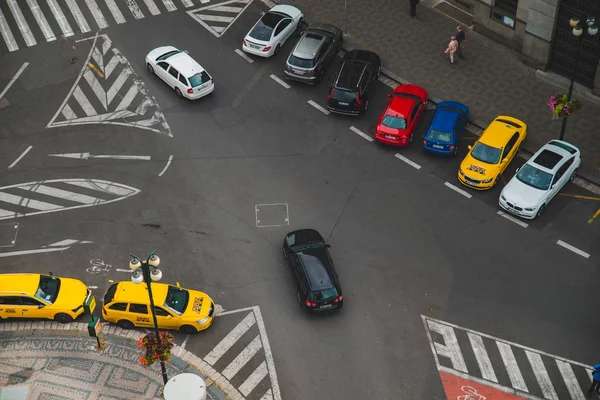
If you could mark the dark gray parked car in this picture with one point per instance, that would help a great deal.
(316, 48)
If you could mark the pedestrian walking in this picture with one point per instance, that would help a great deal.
(413, 7)
(452, 47)
(460, 38)
(595, 380)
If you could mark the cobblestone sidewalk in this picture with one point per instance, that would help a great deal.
(51, 361)
(491, 81)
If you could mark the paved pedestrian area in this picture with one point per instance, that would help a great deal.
(56, 362)
(491, 81)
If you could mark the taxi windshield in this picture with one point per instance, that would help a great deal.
(177, 299)
(48, 288)
(486, 154)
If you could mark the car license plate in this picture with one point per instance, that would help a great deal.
(390, 137)
(513, 211)
(254, 46)
(326, 306)
(471, 183)
(341, 103)
(437, 146)
(298, 72)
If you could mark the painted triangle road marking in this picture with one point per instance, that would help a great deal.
(110, 93)
(218, 18)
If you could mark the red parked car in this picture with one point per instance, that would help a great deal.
(397, 122)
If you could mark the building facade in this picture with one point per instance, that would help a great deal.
(540, 30)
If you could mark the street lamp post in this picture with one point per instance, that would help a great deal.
(592, 29)
(346, 17)
(147, 271)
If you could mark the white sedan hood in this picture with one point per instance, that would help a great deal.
(521, 194)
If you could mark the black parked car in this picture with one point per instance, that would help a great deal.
(319, 289)
(316, 48)
(349, 93)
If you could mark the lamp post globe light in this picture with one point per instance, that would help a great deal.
(147, 271)
(592, 30)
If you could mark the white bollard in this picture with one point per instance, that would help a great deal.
(185, 387)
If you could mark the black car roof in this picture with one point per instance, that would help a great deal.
(304, 236)
(316, 265)
(350, 74)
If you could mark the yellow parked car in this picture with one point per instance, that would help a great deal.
(490, 155)
(127, 304)
(43, 296)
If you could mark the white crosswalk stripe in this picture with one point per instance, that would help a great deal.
(69, 14)
(506, 366)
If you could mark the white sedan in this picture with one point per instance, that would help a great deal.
(272, 30)
(180, 71)
(528, 193)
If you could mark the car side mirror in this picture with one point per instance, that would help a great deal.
(389, 95)
(262, 13)
(186, 52)
(470, 147)
(41, 306)
(327, 245)
(517, 170)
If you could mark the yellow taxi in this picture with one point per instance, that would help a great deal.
(490, 155)
(43, 296)
(127, 304)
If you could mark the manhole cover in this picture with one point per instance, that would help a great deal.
(455, 13)
(8, 234)
(272, 215)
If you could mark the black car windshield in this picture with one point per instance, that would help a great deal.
(300, 62)
(177, 299)
(48, 289)
(199, 78)
(534, 177)
(394, 122)
(326, 294)
(264, 28)
(169, 54)
(486, 154)
(434, 134)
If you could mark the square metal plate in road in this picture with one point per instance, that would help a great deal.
(8, 234)
(272, 215)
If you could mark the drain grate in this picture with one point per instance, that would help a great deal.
(455, 13)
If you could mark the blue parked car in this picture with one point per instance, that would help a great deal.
(446, 128)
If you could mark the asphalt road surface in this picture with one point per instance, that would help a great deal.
(213, 185)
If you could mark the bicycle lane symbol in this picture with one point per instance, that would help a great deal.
(98, 266)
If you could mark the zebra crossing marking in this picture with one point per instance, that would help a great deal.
(59, 16)
(97, 14)
(21, 23)
(532, 360)
(78, 15)
(41, 20)
(218, 18)
(134, 108)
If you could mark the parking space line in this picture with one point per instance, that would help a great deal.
(21, 156)
(406, 160)
(573, 249)
(458, 190)
(513, 219)
(577, 196)
(244, 56)
(596, 214)
(318, 107)
(281, 82)
(361, 133)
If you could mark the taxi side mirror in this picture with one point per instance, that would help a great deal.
(469, 147)
(41, 306)
(517, 170)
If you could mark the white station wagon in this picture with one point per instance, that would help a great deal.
(180, 71)
(537, 182)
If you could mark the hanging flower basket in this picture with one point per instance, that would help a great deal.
(561, 107)
(153, 351)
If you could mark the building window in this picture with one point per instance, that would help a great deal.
(505, 11)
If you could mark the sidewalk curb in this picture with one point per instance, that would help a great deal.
(207, 372)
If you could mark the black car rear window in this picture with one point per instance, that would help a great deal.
(264, 28)
(199, 78)
(350, 74)
(325, 294)
(343, 95)
(300, 62)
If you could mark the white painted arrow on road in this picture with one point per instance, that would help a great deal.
(87, 156)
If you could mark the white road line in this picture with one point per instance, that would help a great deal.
(19, 158)
(169, 4)
(96, 87)
(268, 354)
(541, 374)
(68, 242)
(41, 20)
(101, 186)
(573, 249)
(318, 107)
(129, 96)
(135, 9)
(451, 348)
(244, 55)
(362, 134)
(570, 380)
(227, 9)
(152, 7)
(59, 16)
(241, 359)
(189, 3)
(6, 33)
(269, 394)
(14, 78)
(36, 251)
(21, 23)
(406, 160)
(281, 82)
(166, 166)
(215, 18)
(118, 84)
(115, 11)
(97, 14)
(458, 190)
(254, 379)
(28, 203)
(68, 113)
(184, 341)
(513, 219)
(83, 101)
(79, 18)
(228, 341)
(61, 194)
(483, 359)
(122, 270)
(510, 362)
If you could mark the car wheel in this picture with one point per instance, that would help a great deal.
(63, 318)
(277, 49)
(285, 256)
(150, 69)
(366, 106)
(378, 72)
(125, 324)
(573, 175)
(541, 210)
(188, 329)
(178, 92)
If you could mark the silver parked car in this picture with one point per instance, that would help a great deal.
(316, 48)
